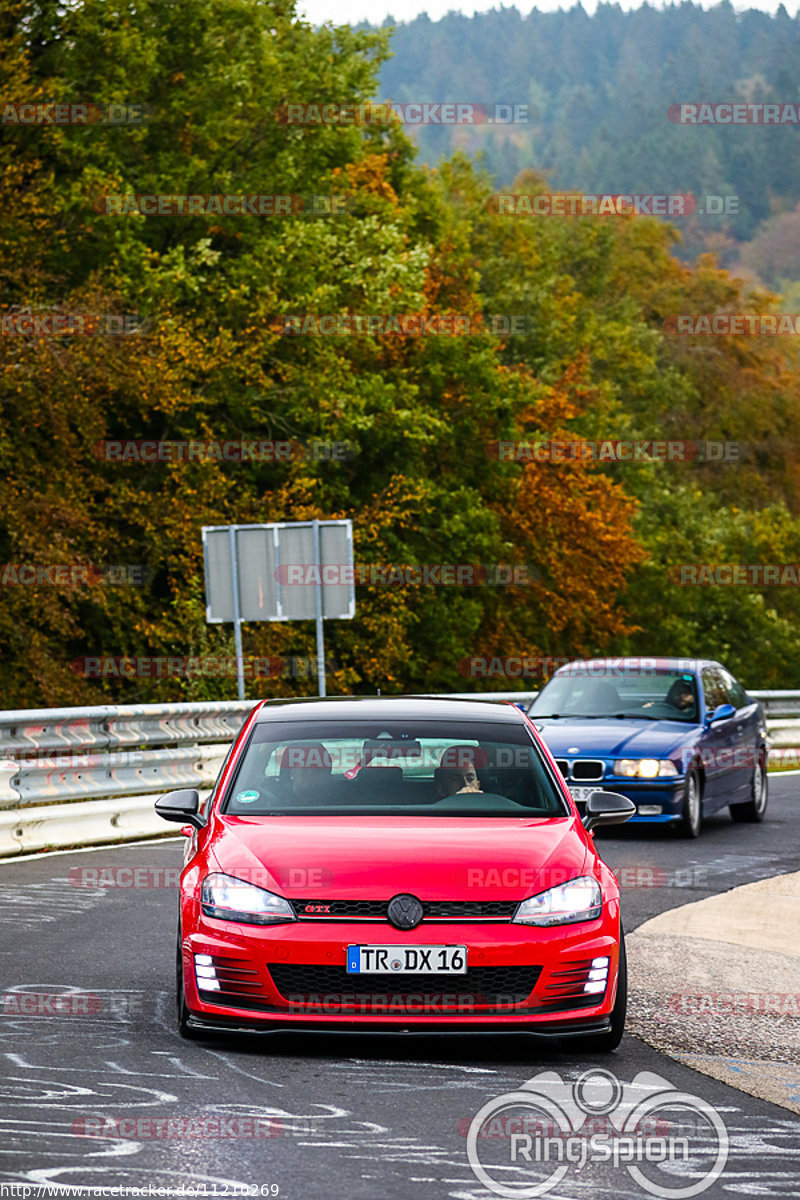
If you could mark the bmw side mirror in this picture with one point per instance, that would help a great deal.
(607, 808)
(721, 713)
(181, 806)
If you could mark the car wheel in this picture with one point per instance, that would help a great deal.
(754, 808)
(691, 811)
(180, 996)
(603, 1043)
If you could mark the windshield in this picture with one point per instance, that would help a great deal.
(424, 768)
(655, 695)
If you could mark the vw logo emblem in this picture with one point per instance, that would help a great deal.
(404, 911)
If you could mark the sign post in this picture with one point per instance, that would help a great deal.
(286, 571)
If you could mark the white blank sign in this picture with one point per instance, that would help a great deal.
(278, 572)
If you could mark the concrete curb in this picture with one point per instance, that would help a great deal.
(716, 985)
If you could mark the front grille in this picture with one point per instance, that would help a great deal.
(587, 770)
(327, 986)
(433, 910)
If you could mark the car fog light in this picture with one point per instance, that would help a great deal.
(205, 973)
(595, 986)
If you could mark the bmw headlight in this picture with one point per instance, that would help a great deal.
(232, 899)
(578, 900)
(645, 768)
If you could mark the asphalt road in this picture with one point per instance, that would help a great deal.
(112, 1096)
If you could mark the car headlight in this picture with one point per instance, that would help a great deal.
(645, 768)
(578, 900)
(232, 899)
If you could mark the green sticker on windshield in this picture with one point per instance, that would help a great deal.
(247, 797)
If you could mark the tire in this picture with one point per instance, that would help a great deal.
(755, 808)
(180, 996)
(604, 1043)
(692, 809)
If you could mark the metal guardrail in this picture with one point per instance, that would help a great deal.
(90, 775)
(85, 775)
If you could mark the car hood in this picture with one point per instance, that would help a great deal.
(614, 738)
(445, 858)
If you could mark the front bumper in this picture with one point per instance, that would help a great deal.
(292, 976)
(666, 794)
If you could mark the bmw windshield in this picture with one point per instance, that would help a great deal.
(655, 695)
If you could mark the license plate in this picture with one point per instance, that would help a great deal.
(581, 794)
(398, 960)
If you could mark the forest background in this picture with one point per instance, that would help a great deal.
(201, 297)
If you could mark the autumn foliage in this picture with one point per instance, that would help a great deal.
(206, 360)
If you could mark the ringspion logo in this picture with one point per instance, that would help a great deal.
(660, 1136)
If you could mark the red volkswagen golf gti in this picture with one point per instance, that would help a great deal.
(397, 864)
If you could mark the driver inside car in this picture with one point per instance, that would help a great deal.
(456, 772)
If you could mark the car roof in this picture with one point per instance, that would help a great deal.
(370, 708)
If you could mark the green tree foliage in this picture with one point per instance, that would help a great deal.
(420, 412)
(600, 87)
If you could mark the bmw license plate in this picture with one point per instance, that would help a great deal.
(397, 960)
(581, 794)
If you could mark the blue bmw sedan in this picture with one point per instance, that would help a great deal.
(679, 737)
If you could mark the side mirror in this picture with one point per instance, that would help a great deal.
(721, 713)
(607, 808)
(181, 806)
